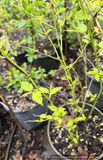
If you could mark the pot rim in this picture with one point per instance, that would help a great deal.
(48, 134)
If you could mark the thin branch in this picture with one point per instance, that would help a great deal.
(9, 144)
(95, 17)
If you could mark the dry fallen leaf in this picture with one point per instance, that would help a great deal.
(82, 151)
(91, 156)
(17, 156)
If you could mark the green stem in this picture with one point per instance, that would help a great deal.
(97, 61)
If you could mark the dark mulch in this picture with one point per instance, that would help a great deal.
(90, 138)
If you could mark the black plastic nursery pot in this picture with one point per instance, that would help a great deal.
(46, 62)
(20, 58)
(32, 115)
(70, 52)
(96, 111)
(95, 89)
(49, 63)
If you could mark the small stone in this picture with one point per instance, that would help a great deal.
(89, 143)
(82, 140)
(56, 141)
(63, 152)
(95, 118)
(60, 150)
(53, 131)
(69, 146)
(86, 142)
(94, 136)
(66, 139)
(62, 129)
(97, 134)
(73, 153)
(15, 101)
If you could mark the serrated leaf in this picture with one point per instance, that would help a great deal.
(54, 90)
(37, 97)
(44, 90)
(52, 108)
(26, 86)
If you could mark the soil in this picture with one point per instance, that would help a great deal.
(90, 65)
(20, 103)
(20, 150)
(90, 138)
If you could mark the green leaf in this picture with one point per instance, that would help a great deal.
(37, 97)
(42, 116)
(101, 124)
(78, 119)
(49, 30)
(26, 86)
(54, 90)
(59, 120)
(49, 117)
(61, 10)
(2, 43)
(69, 124)
(44, 90)
(81, 15)
(101, 44)
(75, 140)
(20, 23)
(53, 108)
(97, 77)
(83, 27)
(61, 22)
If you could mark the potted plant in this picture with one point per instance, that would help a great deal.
(77, 114)
(33, 108)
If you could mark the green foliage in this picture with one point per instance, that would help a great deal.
(16, 78)
(32, 15)
(1, 81)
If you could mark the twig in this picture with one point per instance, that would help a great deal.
(5, 101)
(10, 141)
(95, 16)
